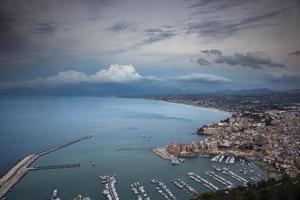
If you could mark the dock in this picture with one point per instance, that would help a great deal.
(110, 190)
(235, 176)
(185, 187)
(139, 190)
(163, 153)
(19, 170)
(203, 181)
(163, 190)
(219, 178)
(54, 167)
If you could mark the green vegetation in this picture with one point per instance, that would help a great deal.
(285, 189)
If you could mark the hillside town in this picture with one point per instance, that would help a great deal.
(269, 137)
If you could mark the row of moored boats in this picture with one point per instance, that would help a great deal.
(220, 158)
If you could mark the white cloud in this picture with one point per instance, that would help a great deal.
(203, 77)
(65, 77)
(116, 73)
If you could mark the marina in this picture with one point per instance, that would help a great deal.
(110, 187)
(139, 190)
(203, 181)
(163, 190)
(179, 183)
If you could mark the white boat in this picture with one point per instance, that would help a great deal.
(227, 160)
(231, 161)
(55, 195)
(221, 158)
(216, 158)
(217, 168)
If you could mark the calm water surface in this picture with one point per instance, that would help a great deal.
(29, 125)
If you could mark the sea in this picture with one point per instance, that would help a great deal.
(124, 131)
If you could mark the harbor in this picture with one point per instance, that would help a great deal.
(17, 172)
(215, 177)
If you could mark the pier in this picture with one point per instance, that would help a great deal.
(220, 179)
(205, 182)
(139, 190)
(184, 186)
(163, 153)
(19, 170)
(110, 187)
(163, 190)
(235, 176)
(54, 167)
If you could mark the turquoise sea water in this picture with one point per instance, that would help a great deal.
(29, 125)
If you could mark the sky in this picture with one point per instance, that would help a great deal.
(119, 47)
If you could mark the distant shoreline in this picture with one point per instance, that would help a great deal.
(192, 105)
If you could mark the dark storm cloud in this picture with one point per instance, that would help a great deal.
(11, 39)
(120, 27)
(220, 28)
(295, 53)
(250, 59)
(155, 35)
(203, 61)
(212, 52)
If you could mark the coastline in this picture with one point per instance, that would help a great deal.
(267, 168)
(193, 105)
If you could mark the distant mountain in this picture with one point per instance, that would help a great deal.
(257, 91)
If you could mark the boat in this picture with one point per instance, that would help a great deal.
(227, 160)
(217, 168)
(221, 158)
(55, 195)
(81, 197)
(215, 159)
(175, 161)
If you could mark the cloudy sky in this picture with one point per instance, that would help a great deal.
(147, 46)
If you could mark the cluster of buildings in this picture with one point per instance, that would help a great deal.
(270, 136)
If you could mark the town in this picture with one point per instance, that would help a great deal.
(261, 128)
